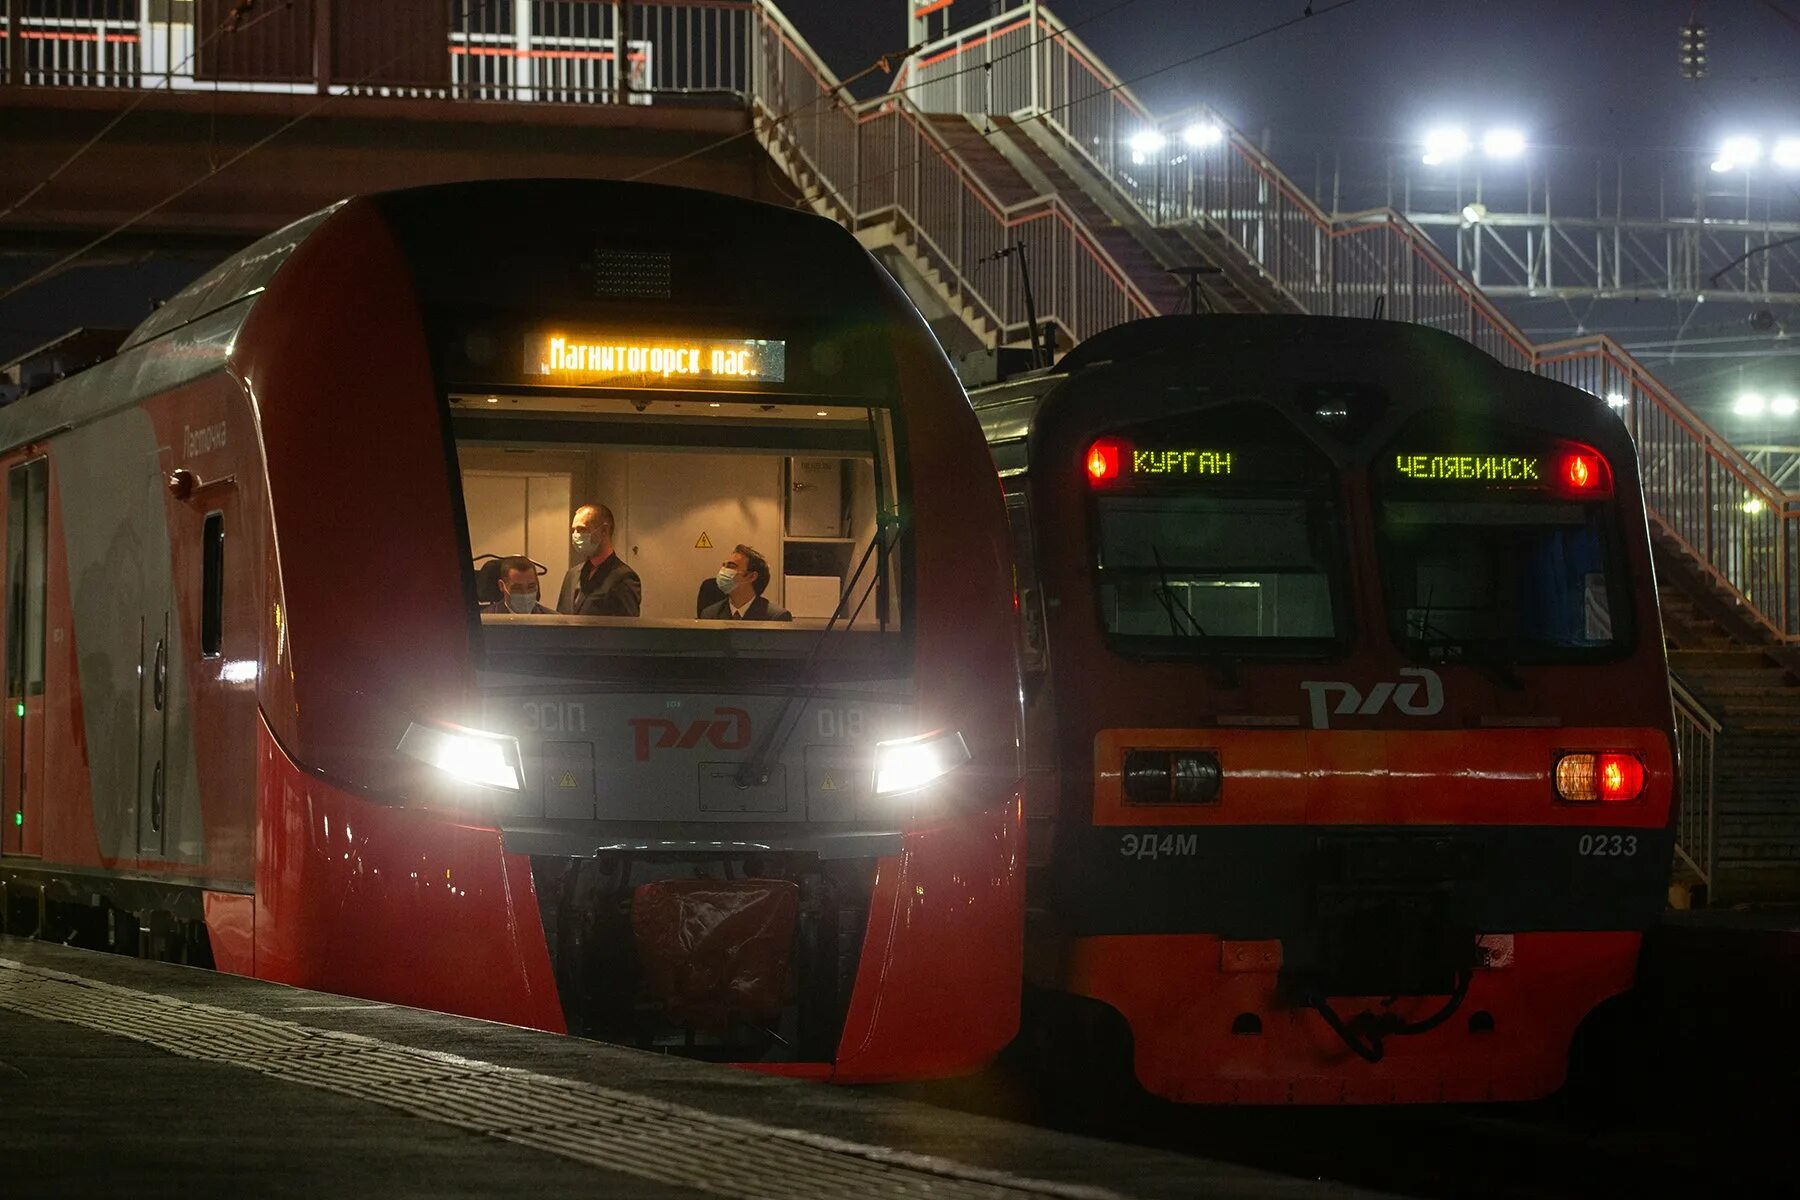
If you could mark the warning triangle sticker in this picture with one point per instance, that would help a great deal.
(566, 781)
(828, 785)
(703, 542)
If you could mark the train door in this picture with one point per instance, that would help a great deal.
(22, 749)
(521, 512)
(154, 630)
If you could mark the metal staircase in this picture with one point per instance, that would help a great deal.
(1725, 532)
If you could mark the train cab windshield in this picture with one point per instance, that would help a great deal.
(699, 526)
(1503, 544)
(1220, 532)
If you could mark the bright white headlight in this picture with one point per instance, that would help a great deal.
(907, 764)
(469, 755)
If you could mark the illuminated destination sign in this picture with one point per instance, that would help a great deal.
(668, 362)
(1187, 463)
(1521, 469)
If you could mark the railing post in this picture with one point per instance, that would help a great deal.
(15, 45)
(1706, 505)
(622, 50)
(1031, 29)
(322, 44)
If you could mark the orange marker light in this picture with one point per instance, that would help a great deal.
(1580, 472)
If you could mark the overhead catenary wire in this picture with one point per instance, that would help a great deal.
(1310, 11)
(226, 25)
(309, 112)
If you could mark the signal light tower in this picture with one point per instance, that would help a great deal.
(1693, 51)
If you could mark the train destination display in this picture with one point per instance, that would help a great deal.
(604, 359)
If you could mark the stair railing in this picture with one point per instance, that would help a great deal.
(1739, 529)
(1696, 822)
(880, 162)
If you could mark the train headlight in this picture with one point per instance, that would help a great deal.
(468, 755)
(908, 764)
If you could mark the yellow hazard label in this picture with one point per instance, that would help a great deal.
(566, 780)
(828, 784)
(703, 542)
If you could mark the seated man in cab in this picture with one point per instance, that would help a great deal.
(742, 578)
(600, 585)
(518, 589)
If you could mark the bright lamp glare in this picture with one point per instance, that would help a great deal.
(1503, 143)
(468, 755)
(1749, 404)
(907, 764)
(1784, 406)
(1786, 153)
(1616, 400)
(1146, 141)
(1740, 151)
(1445, 145)
(1753, 505)
(1202, 133)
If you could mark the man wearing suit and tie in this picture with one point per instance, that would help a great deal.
(742, 578)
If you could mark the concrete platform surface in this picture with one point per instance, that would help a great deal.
(119, 1076)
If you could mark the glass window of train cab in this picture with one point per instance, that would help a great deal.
(1219, 533)
(688, 477)
(1500, 543)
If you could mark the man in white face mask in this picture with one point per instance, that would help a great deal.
(518, 589)
(600, 585)
(742, 578)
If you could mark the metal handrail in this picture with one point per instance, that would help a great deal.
(958, 225)
(1703, 496)
(1697, 816)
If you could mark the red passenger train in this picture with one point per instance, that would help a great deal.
(1347, 707)
(261, 708)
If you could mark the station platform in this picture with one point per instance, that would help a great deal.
(123, 1075)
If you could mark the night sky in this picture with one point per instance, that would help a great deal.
(1361, 83)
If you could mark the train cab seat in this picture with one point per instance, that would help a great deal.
(709, 595)
(487, 578)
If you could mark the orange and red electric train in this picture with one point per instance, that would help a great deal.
(1348, 726)
(262, 711)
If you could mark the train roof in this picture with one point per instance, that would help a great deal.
(467, 241)
(1391, 350)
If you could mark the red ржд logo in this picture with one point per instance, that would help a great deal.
(726, 729)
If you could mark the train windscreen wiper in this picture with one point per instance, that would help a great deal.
(755, 769)
(1451, 649)
(1188, 625)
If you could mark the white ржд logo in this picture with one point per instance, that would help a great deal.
(1404, 694)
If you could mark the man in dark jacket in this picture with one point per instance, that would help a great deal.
(600, 585)
(742, 578)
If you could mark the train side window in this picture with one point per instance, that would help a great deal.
(27, 529)
(212, 584)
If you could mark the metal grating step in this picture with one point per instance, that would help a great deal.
(619, 1131)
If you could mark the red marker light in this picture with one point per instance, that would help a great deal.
(1621, 777)
(1103, 460)
(1612, 777)
(1581, 471)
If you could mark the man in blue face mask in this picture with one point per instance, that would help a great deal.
(518, 589)
(742, 578)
